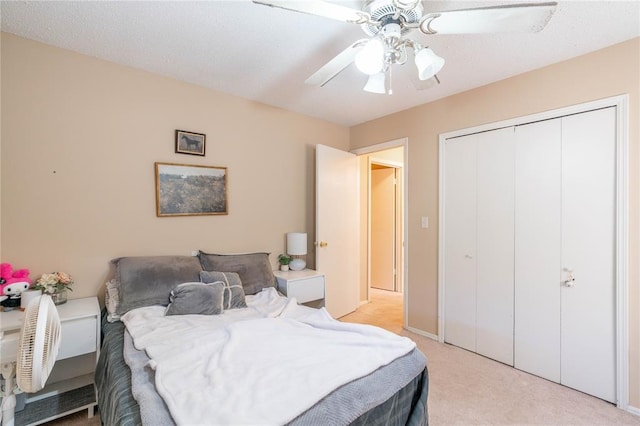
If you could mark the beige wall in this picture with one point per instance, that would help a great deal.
(0, 149)
(79, 139)
(608, 72)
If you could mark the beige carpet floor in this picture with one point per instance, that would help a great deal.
(469, 389)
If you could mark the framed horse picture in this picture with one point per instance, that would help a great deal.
(190, 142)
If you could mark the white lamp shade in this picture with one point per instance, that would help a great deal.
(370, 59)
(428, 63)
(376, 84)
(296, 243)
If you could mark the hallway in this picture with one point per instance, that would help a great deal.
(384, 310)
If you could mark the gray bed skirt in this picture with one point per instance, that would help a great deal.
(406, 406)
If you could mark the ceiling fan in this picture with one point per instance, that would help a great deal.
(387, 22)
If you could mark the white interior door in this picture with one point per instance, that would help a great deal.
(460, 242)
(494, 246)
(537, 248)
(337, 229)
(383, 210)
(588, 249)
(399, 243)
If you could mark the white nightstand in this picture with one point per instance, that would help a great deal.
(70, 386)
(307, 286)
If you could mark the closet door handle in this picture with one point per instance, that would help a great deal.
(468, 256)
(571, 280)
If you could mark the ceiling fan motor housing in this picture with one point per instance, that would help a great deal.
(383, 11)
(392, 29)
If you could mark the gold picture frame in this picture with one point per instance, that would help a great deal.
(190, 190)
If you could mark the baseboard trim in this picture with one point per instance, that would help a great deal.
(364, 302)
(633, 410)
(422, 333)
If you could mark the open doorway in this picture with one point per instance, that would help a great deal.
(385, 225)
(382, 207)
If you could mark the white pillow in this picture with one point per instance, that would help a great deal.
(111, 299)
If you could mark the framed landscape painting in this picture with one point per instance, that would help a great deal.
(190, 190)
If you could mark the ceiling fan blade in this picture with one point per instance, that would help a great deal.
(337, 64)
(320, 8)
(523, 17)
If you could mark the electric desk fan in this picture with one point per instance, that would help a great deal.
(38, 347)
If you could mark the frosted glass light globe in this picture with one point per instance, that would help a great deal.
(428, 63)
(370, 59)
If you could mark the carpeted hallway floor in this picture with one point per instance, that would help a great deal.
(469, 389)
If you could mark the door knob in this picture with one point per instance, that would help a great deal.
(322, 244)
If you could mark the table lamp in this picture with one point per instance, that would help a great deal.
(297, 246)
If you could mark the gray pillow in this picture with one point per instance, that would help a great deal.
(254, 269)
(196, 299)
(148, 280)
(233, 292)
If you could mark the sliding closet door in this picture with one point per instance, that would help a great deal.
(588, 250)
(538, 248)
(565, 251)
(460, 246)
(494, 273)
(479, 191)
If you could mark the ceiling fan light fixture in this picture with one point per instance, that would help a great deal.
(428, 63)
(370, 60)
(377, 83)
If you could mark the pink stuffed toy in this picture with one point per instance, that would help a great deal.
(12, 284)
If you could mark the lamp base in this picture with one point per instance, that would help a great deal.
(297, 265)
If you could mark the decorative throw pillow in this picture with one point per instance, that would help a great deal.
(111, 300)
(254, 269)
(233, 291)
(196, 299)
(148, 280)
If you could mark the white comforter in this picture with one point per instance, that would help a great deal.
(265, 364)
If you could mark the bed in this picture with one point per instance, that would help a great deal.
(280, 362)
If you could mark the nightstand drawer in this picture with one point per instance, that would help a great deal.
(78, 337)
(306, 290)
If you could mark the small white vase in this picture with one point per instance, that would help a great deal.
(284, 267)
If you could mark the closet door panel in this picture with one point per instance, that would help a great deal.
(460, 242)
(588, 249)
(495, 221)
(538, 248)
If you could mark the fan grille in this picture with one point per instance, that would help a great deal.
(381, 9)
(39, 344)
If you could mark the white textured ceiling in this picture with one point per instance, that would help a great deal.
(266, 54)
